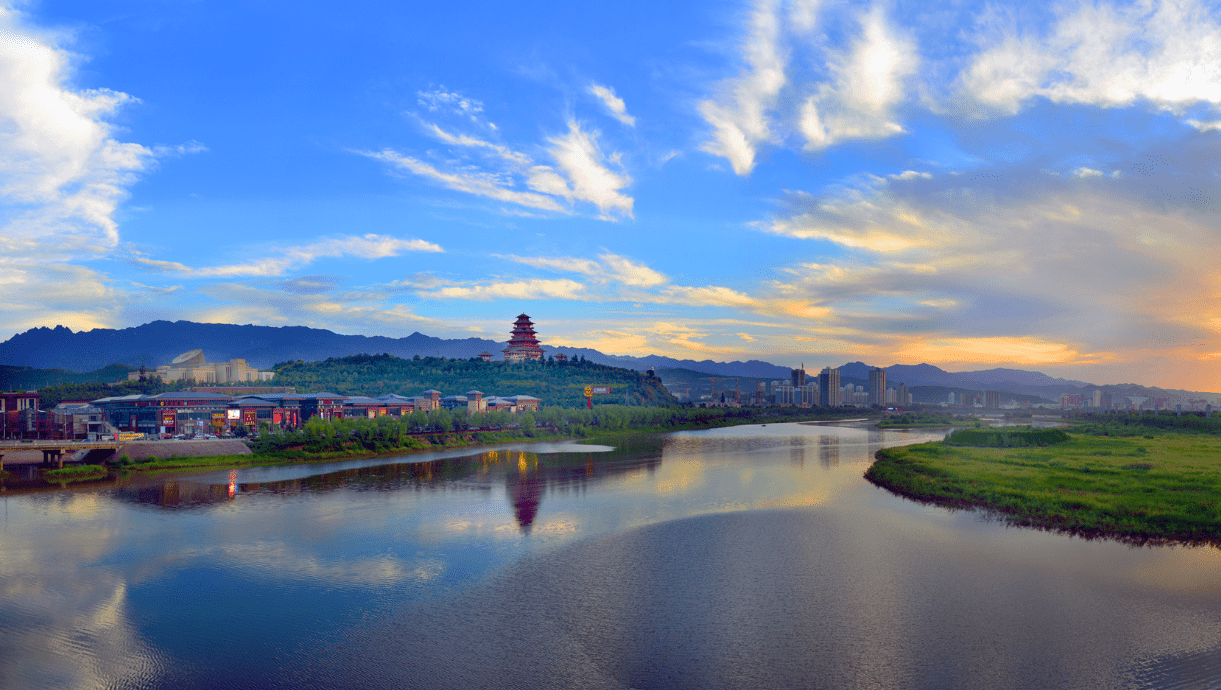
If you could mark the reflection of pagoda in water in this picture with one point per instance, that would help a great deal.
(523, 344)
(526, 479)
(526, 492)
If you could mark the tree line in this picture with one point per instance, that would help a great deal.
(421, 429)
(554, 382)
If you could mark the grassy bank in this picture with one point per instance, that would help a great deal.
(79, 473)
(346, 450)
(1154, 487)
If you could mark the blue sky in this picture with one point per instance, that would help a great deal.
(966, 184)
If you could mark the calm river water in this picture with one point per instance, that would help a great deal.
(743, 557)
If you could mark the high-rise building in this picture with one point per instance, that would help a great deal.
(798, 376)
(992, 400)
(902, 395)
(828, 387)
(877, 386)
(784, 393)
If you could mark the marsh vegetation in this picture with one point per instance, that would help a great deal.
(1138, 487)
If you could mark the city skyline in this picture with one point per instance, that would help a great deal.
(972, 187)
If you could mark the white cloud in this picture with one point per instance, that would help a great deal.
(366, 247)
(867, 85)
(538, 288)
(1016, 254)
(1105, 54)
(585, 176)
(464, 140)
(611, 268)
(342, 311)
(449, 101)
(804, 14)
(479, 184)
(1210, 126)
(163, 151)
(62, 171)
(580, 173)
(613, 103)
(738, 116)
(48, 293)
(611, 278)
(707, 296)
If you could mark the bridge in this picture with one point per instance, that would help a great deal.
(53, 451)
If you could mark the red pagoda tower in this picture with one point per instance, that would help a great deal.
(523, 344)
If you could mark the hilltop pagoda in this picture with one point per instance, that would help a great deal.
(523, 344)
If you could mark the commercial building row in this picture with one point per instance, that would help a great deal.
(188, 412)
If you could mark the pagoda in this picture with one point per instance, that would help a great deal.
(523, 344)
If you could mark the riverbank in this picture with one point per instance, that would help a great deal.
(433, 442)
(1151, 488)
(920, 420)
(162, 455)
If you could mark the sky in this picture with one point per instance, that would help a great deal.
(970, 185)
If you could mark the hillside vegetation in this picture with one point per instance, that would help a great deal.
(555, 383)
(51, 396)
(29, 378)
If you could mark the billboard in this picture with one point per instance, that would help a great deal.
(601, 390)
(233, 414)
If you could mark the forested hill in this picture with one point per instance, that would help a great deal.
(555, 383)
(28, 378)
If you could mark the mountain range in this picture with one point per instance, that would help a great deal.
(158, 342)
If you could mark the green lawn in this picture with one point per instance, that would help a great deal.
(1139, 488)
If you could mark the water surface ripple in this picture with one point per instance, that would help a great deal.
(729, 558)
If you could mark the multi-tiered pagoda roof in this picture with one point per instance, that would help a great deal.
(523, 343)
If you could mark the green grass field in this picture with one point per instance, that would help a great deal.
(1139, 488)
(78, 473)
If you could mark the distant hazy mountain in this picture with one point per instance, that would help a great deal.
(929, 375)
(158, 342)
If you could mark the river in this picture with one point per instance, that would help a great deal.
(741, 557)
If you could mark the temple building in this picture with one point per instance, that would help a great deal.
(523, 344)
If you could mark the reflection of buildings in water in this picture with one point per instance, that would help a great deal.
(526, 478)
(828, 451)
(797, 456)
(525, 490)
(176, 494)
(526, 486)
